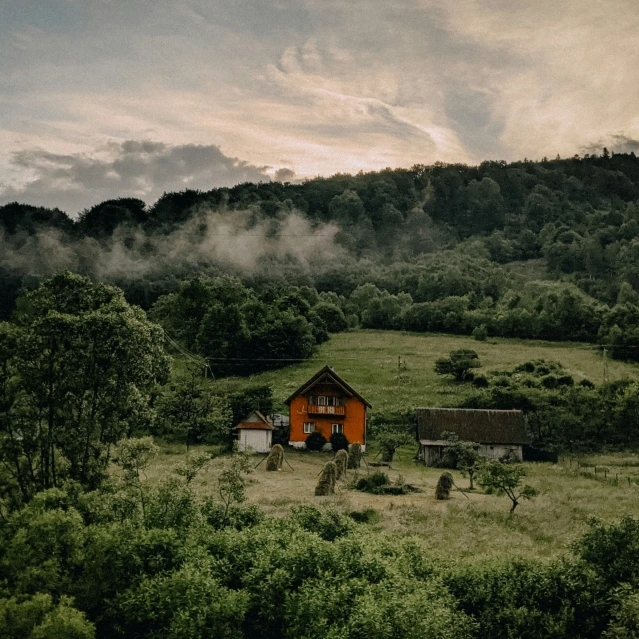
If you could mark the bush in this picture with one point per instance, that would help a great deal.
(329, 525)
(480, 333)
(480, 381)
(378, 483)
(368, 516)
(315, 441)
(339, 442)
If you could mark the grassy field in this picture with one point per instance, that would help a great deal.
(471, 525)
(368, 360)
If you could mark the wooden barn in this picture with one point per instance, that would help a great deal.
(255, 432)
(499, 433)
(327, 404)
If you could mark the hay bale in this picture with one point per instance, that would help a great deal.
(275, 458)
(445, 483)
(354, 455)
(326, 483)
(341, 463)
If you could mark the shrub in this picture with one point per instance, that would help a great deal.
(612, 550)
(367, 516)
(339, 442)
(480, 333)
(444, 485)
(238, 516)
(329, 525)
(378, 483)
(565, 380)
(39, 618)
(315, 441)
(480, 381)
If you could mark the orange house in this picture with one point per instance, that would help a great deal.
(327, 404)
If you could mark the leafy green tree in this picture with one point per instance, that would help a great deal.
(38, 617)
(389, 438)
(464, 456)
(506, 479)
(458, 364)
(333, 317)
(80, 376)
(191, 410)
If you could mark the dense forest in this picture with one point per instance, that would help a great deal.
(542, 249)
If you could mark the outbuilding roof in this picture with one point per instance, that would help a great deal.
(255, 421)
(473, 425)
(327, 374)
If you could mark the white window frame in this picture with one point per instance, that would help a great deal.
(337, 428)
(309, 427)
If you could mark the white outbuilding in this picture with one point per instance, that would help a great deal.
(255, 432)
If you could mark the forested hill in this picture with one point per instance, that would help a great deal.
(433, 232)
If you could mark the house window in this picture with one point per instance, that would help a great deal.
(309, 427)
(321, 401)
(337, 428)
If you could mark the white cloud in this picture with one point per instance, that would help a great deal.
(330, 85)
(142, 169)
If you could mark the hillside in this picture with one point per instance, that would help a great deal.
(368, 360)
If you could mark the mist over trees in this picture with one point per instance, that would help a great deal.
(543, 249)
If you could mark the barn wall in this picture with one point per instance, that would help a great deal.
(499, 451)
(431, 454)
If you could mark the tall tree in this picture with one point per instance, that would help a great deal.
(80, 367)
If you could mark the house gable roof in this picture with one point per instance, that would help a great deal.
(480, 426)
(255, 421)
(327, 373)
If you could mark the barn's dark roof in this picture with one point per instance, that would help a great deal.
(326, 374)
(481, 426)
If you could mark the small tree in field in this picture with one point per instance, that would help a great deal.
(231, 483)
(458, 364)
(390, 439)
(505, 479)
(464, 456)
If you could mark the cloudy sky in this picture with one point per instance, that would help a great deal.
(107, 98)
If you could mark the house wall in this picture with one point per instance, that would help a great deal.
(431, 455)
(354, 419)
(258, 440)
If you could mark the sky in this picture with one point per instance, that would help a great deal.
(132, 98)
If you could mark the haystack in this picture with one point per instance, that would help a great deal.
(354, 455)
(275, 458)
(326, 483)
(341, 463)
(445, 483)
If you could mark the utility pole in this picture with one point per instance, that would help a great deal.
(605, 366)
(399, 373)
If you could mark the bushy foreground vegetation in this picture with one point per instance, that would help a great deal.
(134, 560)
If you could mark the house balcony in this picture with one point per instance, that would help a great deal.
(314, 409)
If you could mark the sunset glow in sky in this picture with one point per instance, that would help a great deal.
(109, 98)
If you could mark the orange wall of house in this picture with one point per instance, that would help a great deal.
(354, 420)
